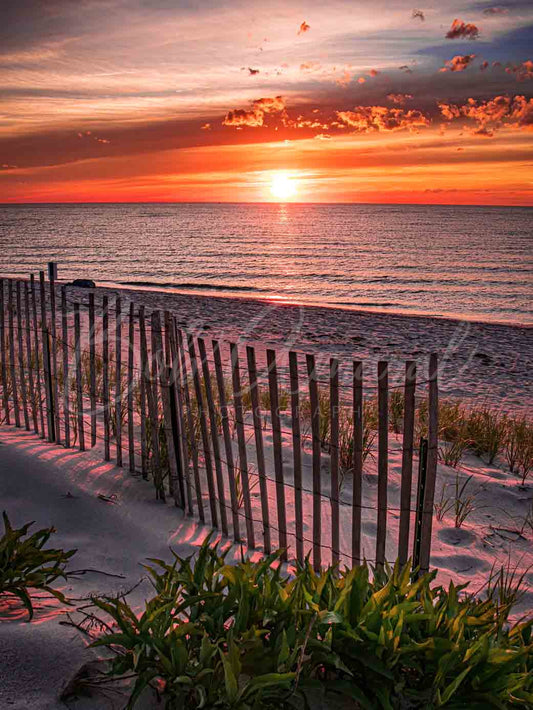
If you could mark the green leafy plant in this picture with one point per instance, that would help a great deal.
(25, 565)
(246, 635)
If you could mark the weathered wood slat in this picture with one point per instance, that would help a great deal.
(144, 368)
(53, 344)
(131, 364)
(383, 460)
(259, 448)
(191, 434)
(79, 390)
(11, 340)
(203, 431)
(181, 444)
(31, 361)
(297, 454)
(38, 354)
(317, 490)
(407, 460)
(241, 442)
(105, 378)
(278, 452)
(214, 434)
(152, 395)
(226, 431)
(92, 368)
(429, 495)
(47, 372)
(20, 353)
(118, 380)
(66, 374)
(357, 483)
(3, 357)
(334, 458)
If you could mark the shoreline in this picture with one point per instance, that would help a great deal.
(483, 362)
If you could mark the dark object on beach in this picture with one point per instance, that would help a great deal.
(83, 283)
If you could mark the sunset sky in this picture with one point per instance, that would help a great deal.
(160, 100)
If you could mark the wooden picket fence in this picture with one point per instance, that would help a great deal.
(205, 422)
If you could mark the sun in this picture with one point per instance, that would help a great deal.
(283, 187)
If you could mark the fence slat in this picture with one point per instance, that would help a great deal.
(131, 352)
(153, 407)
(296, 454)
(11, 339)
(79, 390)
(161, 372)
(55, 379)
(383, 461)
(20, 352)
(317, 492)
(105, 377)
(214, 434)
(92, 368)
(191, 438)
(259, 448)
(241, 442)
(5, 394)
(429, 495)
(47, 372)
(31, 379)
(407, 460)
(144, 367)
(221, 385)
(334, 458)
(66, 380)
(357, 482)
(118, 380)
(278, 453)
(38, 352)
(181, 444)
(203, 431)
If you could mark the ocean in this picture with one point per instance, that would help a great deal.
(474, 263)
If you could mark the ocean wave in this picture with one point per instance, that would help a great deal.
(199, 286)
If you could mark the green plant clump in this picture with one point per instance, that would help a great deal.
(245, 636)
(24, 564)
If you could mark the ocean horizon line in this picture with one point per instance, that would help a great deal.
(266, 202)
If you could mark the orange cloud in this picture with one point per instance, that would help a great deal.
(461, 29)
(381, 118)
(516, 112)
(254, 117)
(399, 99)
(458, 63)
(304, 27)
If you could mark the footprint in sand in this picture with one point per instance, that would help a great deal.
(456, 536)
(459, 563)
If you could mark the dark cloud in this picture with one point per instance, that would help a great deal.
(495, 11)
(463, 30)
(418, 15)
(521, 71)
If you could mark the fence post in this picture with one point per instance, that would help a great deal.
(53, 333)
(153, 410)
(317, 492)
(105, 377)
(429, 494)
(144, 366)
(131, 352)
(421, 489)
(179, 491)
(5, 394)
(47, 366)
(407, 461)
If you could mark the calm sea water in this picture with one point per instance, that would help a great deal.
(471, 262)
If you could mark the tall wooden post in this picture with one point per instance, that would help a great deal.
(429, 495)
